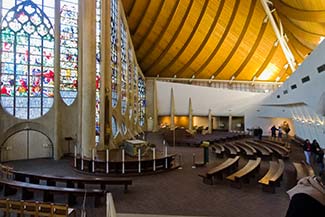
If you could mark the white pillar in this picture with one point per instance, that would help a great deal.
(230, 123)
(88, 70)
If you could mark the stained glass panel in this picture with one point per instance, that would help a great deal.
(98, 56)
(27, 75)
(114, 127)
(130, 70)
(135, 92)
(124, 72)
(69, 50)
(141, 100)
(114, 59)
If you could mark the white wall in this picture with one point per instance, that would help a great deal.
(222, 102)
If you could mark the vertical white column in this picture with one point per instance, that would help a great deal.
(230, 123)
(93, 160)
(166, 154)
(88, 71)
(82, 160)
(154, 159)
(123, 159)
(107, 161)
(139, 160)
(75, 156)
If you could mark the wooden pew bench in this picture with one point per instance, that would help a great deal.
(273, 176)
(232, 150)
(28, 189)
(249, 151)
(263, 151)
(303, 170)
(71, 182)
(244, 173)
(217, 172)
(218, 149)
(35, 208)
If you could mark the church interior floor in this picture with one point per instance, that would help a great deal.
(181, 191)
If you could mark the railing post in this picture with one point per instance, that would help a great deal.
(139, 160)
(107, 161)
(154, 158)
(75, 156)
(166, 159)
(193, 161)
(93, 160)
(123, 159)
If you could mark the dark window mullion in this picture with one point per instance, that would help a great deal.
(15, 73)
(42, 72)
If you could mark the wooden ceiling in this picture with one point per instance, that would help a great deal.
(221, 39)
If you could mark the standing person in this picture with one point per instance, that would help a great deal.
(280, 133)
(314, 150)
(307, 151)
(307, 198)
(320, 161)
(260, 133)
(273, 130)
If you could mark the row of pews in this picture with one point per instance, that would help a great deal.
(253, 151)
(12, 181)
(34, 208)
(229, 170)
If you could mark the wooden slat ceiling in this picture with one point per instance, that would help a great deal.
(221, 39)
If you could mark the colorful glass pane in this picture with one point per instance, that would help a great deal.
(98, 54)
(114, 127)
(69, 50)
(114, 59)
(141, 100)
(124, 71)
(130, 70)
(27, 62)
(135, 92)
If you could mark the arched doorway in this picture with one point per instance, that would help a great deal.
(26, 144)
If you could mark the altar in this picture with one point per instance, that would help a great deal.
(131, 147)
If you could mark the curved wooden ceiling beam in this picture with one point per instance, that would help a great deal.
(171, 42)
(179, 72)
(301, 45)
(265, 63)
(239, 40)
(298, 56)
(251, 52)
(152, 24)
(162, 71)
(165, 27)
(220, 42)
(141, 18)
(310, 36)
(298, 14)
(129, 10)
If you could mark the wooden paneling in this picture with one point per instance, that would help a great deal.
(220, 38)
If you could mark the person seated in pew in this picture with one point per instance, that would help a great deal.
(307, 198)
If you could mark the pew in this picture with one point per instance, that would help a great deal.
(273, 176)
(217, 172)
(218, 149)
(244, 173)
(303, 170)
(35, 208)
(263, 151)
(28, 189)
(249, 151)
(71, 182)
(232, 149)
(281, 151)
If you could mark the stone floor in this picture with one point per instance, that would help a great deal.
(181, 192)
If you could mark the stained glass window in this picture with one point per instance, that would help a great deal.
(98, 56)
(114, 127)
(130, 69)
(141, 100)
(69, 50)
(124, 67)
(114, 59)
(135, 92)
(124, 129)
(27, 58)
